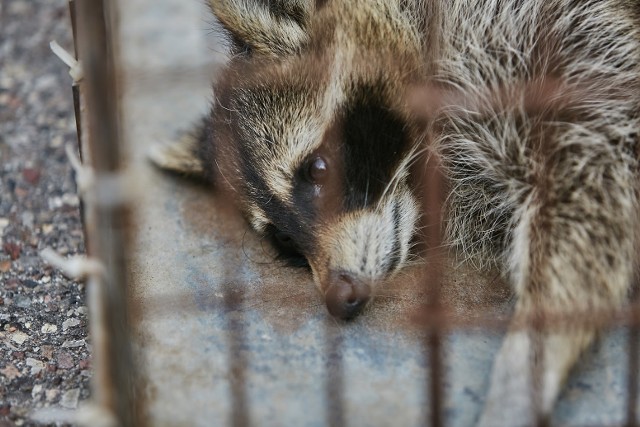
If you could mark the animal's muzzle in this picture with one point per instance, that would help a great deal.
(346, 295)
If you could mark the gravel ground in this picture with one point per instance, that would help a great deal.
(44, 349)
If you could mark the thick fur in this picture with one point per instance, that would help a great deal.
(536, 123)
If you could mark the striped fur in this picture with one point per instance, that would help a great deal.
(535, 115)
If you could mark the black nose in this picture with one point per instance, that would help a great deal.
(346, 295)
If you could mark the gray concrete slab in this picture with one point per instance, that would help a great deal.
(199, 276)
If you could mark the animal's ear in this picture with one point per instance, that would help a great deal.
(272, 28)
(182, 155)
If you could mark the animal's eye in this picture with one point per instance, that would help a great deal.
(284, 240)
(316, 170)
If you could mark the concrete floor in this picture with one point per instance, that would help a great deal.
(201, 280)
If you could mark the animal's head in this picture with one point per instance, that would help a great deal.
(310, 130)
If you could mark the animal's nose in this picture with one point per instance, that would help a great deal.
(346, 295)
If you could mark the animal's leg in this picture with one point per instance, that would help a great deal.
(183, 154)
(571, 250)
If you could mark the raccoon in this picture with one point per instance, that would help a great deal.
(532, 107)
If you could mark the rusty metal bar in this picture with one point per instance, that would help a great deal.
(536, 365)
(432, 208)
(632, 352)
(106, 215)
(334, 384)
(233, 299)
(76, 87)
(74, 26)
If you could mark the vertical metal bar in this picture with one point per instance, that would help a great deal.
(632, 386)
(106, 221)
(537, 333)
(74, 27)
(334, 385)
(432, 208)
(76, 87)
(233, 299)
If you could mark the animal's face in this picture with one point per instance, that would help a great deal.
(310, 131)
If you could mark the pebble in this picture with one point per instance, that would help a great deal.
(48, 328)
(19, 337)
(47, 351)
(65, 360)
(4, 222)
(70, 398)
(10, 372)
(51, 394)
(31, 175)
(11, 284)
(5, 409)
(12, 249)
(30, 283)
(73, 343)
(35, 364)
(5, 266)
(70, 323)
(27, 219)
(23, 301)
(56, 141)
(36, 390)
(67, 199)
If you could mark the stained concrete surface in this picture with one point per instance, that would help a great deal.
(208, 294)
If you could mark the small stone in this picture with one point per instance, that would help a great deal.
(30, 283)
(48, 328)
(3, 224)
(10, 372)
(5, 409)
(46, 279)
(70, 323)
(12, 284)
(57, 141)
(51, 394)
(73, 343)
(35, 364)
(36, 390)
(82, 310)
(70, 199)
(12, 249)
(70, 398)
(47, 228)
(27, 219)
(5, 266)
(31, 175)
(23, 301)
(47, 351)
(84, 364)
(65, 360)
(19, 337)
